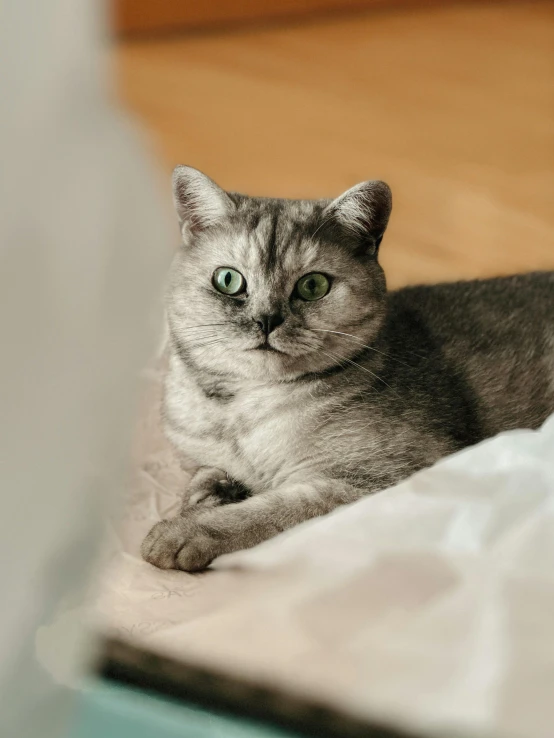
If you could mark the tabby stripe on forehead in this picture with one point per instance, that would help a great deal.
(272, 251)
(254, 222)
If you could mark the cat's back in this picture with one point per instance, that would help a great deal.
(514, 300)
(498, 334)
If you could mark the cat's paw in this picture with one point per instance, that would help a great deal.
(211, 488)
(178, 543)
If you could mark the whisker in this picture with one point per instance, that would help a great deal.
(342, 361)
(201, 350)
(209, 342)
(334, 358)
(197, 340)
(371, 348)
(331, 356)
(365, 369)
(202, 325)
(205, 332)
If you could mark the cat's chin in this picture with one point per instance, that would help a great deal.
(269, 364)
(280, 366)
(267, 348)
(266, 363)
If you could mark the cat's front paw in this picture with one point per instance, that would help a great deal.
(178, 543)
(211, 488)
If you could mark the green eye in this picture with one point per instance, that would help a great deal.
(229, 281)
(313, 286)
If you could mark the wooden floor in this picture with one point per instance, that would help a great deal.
(454, 107)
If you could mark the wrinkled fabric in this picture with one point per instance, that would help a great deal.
(430, 605)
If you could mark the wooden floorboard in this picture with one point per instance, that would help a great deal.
(453, 106)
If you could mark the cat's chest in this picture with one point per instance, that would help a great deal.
(258, 435)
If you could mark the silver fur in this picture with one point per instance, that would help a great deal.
(360, 388)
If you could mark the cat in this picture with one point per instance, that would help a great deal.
(298, 384)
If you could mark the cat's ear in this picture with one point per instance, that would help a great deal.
(200, 203)
(363, 211)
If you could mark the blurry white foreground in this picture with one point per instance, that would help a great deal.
(83, 247)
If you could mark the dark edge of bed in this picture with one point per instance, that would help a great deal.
(126, 664)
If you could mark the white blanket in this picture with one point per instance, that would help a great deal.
(430, 605)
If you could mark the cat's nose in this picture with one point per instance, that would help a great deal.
(268, 323)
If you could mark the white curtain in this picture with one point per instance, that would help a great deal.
(83, 246)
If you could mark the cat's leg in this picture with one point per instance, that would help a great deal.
(212, 487)
(191, 542)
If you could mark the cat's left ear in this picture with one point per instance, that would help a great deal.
(363, 211)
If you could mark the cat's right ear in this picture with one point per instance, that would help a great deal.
(200, 203)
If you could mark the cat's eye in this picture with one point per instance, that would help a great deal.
(229, 281)
(313, 286)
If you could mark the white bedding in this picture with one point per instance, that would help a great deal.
(430, 605)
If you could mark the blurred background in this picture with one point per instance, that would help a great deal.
(451, 103)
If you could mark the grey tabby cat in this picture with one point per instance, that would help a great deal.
(298, 384)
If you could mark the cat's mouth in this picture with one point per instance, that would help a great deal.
(267, 347)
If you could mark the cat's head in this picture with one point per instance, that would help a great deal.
(267, 288)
